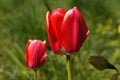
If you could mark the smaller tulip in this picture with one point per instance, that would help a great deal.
(35, 53)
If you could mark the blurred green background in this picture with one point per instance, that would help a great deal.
(21, 20)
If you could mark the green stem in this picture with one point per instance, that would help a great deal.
(68, 67)
(36, 77)
(46, 4)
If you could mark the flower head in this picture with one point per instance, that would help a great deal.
(35, 53)
(66, 30)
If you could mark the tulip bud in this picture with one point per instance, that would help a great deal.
(35, 53)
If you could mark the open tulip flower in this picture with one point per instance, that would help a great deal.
(35, 53)
(66, 30)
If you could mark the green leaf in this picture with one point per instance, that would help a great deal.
(100, 63)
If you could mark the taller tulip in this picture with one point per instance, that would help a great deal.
(66, 30)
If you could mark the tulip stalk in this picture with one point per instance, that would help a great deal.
(67, 30)
(68, 67)
(36, 77)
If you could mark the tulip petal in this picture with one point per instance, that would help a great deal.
(33, 53)
(26, 52)
(56, 20)
(43, 57)
(52, 37)
(39, 52)
(74, 30)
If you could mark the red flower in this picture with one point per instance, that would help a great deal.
(35, 53)
(66, 30)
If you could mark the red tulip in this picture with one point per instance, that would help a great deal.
(35, 53)
(66, 30)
